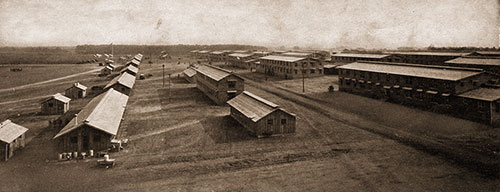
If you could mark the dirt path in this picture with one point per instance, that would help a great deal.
(47, 81)
(156, 132)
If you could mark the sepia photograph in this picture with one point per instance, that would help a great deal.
(250, 95)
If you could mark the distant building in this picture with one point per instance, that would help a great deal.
(426, 58)
(218, 56)
(111, 66)
(485, 54)
(134, 63)
(12, 138)
(138, 57)
(353, 57)
(239, 60)
(291, 67)
(203, 55)
(486, 63)
(56, 104)
(189, 75)
(218, 84)
(260, 116)
(106, 71)
(132, 70)
(122, 83)
(95, 125)
(76, 91)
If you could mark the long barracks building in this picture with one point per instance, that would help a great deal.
(290, 67)
(418, 85)
(218, 84)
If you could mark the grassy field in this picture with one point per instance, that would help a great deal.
(181, 140)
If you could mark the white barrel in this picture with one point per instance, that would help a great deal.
(60, 156)
(91, 153)
(75, 154)
(106, 157)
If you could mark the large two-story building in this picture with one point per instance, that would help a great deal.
(218, 84)
(290, 67)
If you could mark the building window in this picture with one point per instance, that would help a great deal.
(51, 104)
(269, 121)
(283, 121)
(312, 71)
(341, 82)
(295, 71)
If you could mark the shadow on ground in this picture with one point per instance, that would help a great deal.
(224, 129)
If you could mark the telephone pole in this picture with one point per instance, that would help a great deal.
(163, 66)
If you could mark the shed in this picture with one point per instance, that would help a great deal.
(55, 104)
(12, 138)
(122, 83)
(76, 91)
(260, 116)
(106, 70)
(95, 125)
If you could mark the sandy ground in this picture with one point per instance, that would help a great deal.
(180, 140)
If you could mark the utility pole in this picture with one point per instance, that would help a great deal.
(169, 90)
(303, 71)
(163, 66)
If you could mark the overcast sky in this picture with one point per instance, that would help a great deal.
(318, 23)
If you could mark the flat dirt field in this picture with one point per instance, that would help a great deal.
(181, 140)
(33, 73)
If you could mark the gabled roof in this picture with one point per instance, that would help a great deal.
(124, 79)
(484, 94)
(103, 112)
(204, 51)
(216, 52)
(58, 97)
(190, 72)
(194, 51)
(133, 61)
(78, 86)
(261, 52)
(296, 54)
(111, 65)
(214, 73)
(240, 54)
(454, 54)
(444, 73)
(10, 131)
(282, 58)
(253, 106)
(356, 55)
(130, 68)
(475, 61)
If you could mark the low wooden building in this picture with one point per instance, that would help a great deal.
(55, 104)
(122, 83)
(290, 67)
(134, 63)
(480, 105)
(487, 63)
(132, 70)
(106, 70)
(353, 57)
(95, 125)
(260, 116)
(12, 138)
(76, 91)
(189, 75)
(138, 57)
(426, 58)
(218, 84)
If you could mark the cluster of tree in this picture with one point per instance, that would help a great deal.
(462, 49)
(157, 49)
(48, 50)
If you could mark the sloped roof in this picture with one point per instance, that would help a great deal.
(484, 94)
(134, 62)
(111, 65)
(455, 54)
(452, 74)
(189, 72)
(103, 112)
(124, 79)
(10, 131)
(58, 97)
(488, 52)
(204, 51)
(356, 55)
(282, 58)
(240, 54)
(78, 86)
(214, 73)
(261, 52)
(194, 51)
(296, 54)
(216, 52)
(252, 106)
(475, 61)
(130, 68)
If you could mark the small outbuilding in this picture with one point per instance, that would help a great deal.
(260, 116)
(106, 71)
(189, 75)
(55, 104)
(76, 91)
(12, 138)
(122, 83)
